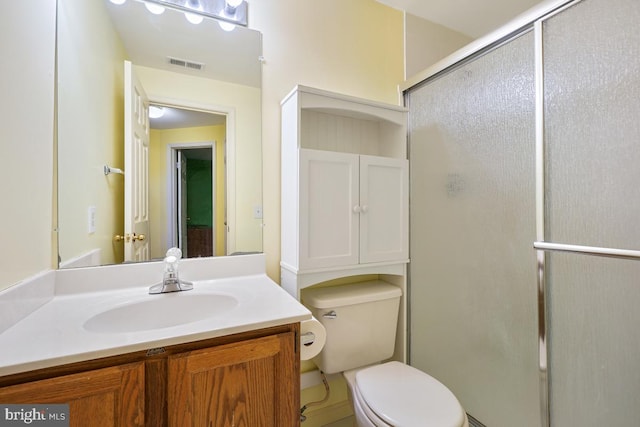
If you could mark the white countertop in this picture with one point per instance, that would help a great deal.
(54, 334)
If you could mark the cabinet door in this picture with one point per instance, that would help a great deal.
(101, 398)
(329, 218)
(384, 206)
(253, 383)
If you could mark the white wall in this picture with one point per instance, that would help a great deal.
(27, 50)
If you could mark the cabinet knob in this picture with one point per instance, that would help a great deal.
(364, 208)
(356, 209)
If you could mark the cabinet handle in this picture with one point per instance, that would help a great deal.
(356, 209)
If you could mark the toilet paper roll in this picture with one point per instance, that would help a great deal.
(312, 338)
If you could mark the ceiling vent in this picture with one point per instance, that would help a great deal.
(183, 63)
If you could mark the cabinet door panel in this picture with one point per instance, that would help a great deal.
(384, 201)
(328, 196)
(103, 397)
(241, 384)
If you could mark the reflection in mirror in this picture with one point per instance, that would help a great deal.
(186, 158)
(94, 39)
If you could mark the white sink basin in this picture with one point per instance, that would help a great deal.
(161, 311)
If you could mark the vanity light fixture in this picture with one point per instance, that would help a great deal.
(233, 12)
(231, 6)
(226, 25)
(156, 9)
(194, 18)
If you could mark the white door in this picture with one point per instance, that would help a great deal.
(182, 203)
(136, 168)
(329, 211)
(384, 209)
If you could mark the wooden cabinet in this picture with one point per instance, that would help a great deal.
(248, 379)
(353, 209)
(240, 384)
(103, 397)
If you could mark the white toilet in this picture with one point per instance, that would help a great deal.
(361, 321)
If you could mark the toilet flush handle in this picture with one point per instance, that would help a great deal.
(330, 315)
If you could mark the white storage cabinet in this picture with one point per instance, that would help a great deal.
(344, 188)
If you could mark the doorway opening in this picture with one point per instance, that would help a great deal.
(193, 206)
(189, 193)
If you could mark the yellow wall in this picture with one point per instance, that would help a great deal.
(90, 130)
(158, 181)
(353, 47)
(26, 138)
(427, 43)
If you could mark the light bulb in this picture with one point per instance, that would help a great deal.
(155, 112)
(227, 26)
(194, 18)
(118, 1)
(154, 8)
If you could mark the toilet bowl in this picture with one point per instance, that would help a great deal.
(361, 322)
(398, 395)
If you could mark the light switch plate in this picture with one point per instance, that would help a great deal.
(91, 219)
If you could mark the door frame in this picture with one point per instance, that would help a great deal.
(229, 149)
(172, 188)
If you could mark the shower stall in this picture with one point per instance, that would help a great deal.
(524, 154)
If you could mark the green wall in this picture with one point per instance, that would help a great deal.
(199, 193)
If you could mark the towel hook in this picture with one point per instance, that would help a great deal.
(108, 170)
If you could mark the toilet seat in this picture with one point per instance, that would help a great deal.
(399, 395)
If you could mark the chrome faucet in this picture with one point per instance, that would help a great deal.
(171, 281)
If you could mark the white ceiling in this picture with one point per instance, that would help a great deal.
(474, 18)
(150, 39)
(181, 118)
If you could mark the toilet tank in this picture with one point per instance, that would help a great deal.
(360, 319)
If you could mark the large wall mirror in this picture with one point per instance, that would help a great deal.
(201, 166)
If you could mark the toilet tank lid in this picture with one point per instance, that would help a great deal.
(354, 293)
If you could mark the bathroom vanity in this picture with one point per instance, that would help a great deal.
(251, 377)
(237, 364)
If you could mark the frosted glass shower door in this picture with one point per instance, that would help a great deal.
(592, 198)
(473, 270)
